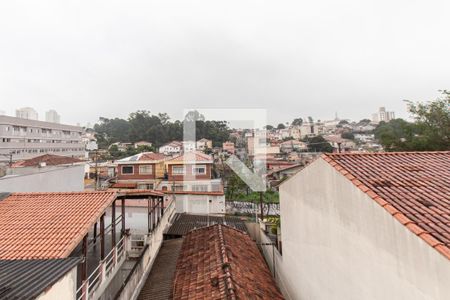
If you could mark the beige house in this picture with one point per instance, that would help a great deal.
(367, 226)
(203, 144)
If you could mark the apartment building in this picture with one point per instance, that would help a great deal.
(27, 113)
(25, 138)
(383, 115)
(52, 116)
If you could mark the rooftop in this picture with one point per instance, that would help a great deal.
(220, 262)
(48, 225)
(191, 157)
(183, 223)
(144, 156)
(414, 187)
(48, 160)
(23, 279)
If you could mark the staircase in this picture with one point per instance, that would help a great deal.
(159, 283)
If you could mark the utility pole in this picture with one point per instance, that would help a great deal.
(96, 169)
(261, 205)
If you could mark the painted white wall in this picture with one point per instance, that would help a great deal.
(65, 179)
(340, 244)
(64, 288)
(200, 204)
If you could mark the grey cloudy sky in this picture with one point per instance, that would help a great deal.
(296, 58)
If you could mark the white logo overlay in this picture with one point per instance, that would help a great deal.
(254, 173)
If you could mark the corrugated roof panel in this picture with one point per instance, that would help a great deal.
(27, 279)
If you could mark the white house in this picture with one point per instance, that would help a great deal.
(171, 148)
(367, 226)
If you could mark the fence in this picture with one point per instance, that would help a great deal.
(105, 271)
(272, 209)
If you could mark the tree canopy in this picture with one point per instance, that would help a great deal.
(297, 122)
(158, 129)
(430, 130)
(318, 144)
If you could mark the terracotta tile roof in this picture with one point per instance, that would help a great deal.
(190, 157)
(220, 262)
(141, 157)
(48, 225)
(124, 185)
(414, 187)
(48, 159)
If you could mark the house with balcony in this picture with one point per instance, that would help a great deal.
(189, 179)
(141, 171)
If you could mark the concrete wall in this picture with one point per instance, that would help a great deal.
(271, 255)
(200, 204)
(340, 244)
(64, 288)
(64, 179)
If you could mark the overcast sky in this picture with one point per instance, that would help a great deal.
(295, 58)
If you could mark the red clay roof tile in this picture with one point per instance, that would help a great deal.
(48, 159)
(48, 225)
(220, 262)
(412, 186)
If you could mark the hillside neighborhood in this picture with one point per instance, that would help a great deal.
(146, 219)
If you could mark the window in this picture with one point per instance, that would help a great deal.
(145, 169)
(178, 170)
(199, 170)
(200, 188)
(127, 170)
(178, 188)
(145, 186)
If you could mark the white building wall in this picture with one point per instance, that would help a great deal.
(200, 204)
(340, 244)
(64, 288)
(65, 179)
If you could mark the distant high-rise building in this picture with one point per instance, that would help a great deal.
(27, 113)
(52, 116)
(382, 115)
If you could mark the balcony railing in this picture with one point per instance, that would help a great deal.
(104, 272)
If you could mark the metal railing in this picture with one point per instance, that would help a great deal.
(104, 271)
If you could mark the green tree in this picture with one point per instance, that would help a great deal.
(318, 144)
(429, 132)
(347, 135)
(433, 121)
(297, 122)
(281, 126)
